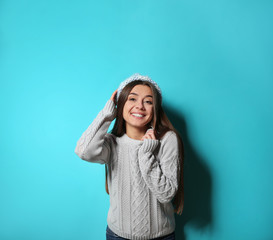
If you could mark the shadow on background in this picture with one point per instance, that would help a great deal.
(197, 183)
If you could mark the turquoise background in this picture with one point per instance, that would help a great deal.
(61, 60)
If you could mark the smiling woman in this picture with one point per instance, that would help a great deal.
(143, 156)
(138, 111)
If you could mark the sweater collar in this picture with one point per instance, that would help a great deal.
(126, 139)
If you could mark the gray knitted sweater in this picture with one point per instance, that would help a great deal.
(142, 179)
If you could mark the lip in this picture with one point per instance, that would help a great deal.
(136, 116)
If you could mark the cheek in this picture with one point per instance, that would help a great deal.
(151, 112)
(124, 113)
(126, 110)
(128, 106)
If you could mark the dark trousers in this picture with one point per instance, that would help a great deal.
(112, 236)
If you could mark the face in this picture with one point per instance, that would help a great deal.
(138, 109)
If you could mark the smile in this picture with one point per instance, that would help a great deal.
(138, 115)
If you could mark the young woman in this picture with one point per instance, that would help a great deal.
(143, 156)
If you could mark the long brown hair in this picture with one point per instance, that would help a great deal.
(161, 125)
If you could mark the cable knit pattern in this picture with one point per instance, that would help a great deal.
(87, 151)
(140, 198)
(142, 180)
(161, 175)
(113, 188)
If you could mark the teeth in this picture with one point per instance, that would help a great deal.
(137, 115)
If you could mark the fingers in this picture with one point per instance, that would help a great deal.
(113, 96)
(149, 135)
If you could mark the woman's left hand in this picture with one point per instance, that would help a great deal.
(149, 135)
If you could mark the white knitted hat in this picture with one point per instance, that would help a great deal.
(136, 77)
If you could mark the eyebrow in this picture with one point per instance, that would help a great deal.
(137, 95)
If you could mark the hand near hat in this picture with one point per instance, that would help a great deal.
(113, 97)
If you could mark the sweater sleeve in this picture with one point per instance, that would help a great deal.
(94, 144)
(161, 175)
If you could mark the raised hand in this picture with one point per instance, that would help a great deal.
(149, 135)
(113, 97)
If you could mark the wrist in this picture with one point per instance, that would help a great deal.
(149, 145)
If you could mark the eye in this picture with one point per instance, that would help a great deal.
(149, 102)
(132, 99)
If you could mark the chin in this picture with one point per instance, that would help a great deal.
(142, 126)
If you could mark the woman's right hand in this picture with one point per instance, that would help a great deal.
(113, 97)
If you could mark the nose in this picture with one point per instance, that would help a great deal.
(140, 105)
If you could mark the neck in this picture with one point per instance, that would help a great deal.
(135, 133)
